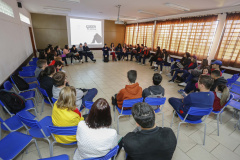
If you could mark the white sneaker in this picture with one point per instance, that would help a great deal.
(139, 63)
(169, 74)
(63, 70)
(183, 84)
(72, 63)
(160, 72)
(143, 64)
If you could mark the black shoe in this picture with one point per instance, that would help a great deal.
(171, 81)
(130, 59)
(86, 61)
(127, 60)
(94, 60)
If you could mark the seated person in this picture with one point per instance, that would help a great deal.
(118, 51)
(144, 55)
(94, 135)
(59, 82)
(75, 53)
(216, 75)
(202, 99)
(222, 96)
(129, 51)
(185, 70)
(41, 65)
(135, 52)
(148, 141)
(124, 52)
(81, 52)
(51, 56)
(163, 59)
(156, 56)
(131, 91)
(156, 89)
(105, 50)
(88, 53)
(139, 53)
(65, 54)
(58, 65)
(46, 81)
(63, 114)
(185, 61)
(216, 65)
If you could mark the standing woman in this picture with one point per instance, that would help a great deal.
(64, 55)
(118, 51)
(112, 49)
(95, 138)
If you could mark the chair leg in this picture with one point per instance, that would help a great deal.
(34, 99)
(36, 113)
(0, 132)
(118, 124)
(204, 134)
(172, 119)
(50, 148)
(162, 119)
(221, 118)
(42, 106)
(178, 129)
(114, 114)
(218, 124)
(39, 154)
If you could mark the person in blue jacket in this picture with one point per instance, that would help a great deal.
(202, 99)
(118, 51)
(88, 53)
(105, 50)
(185, 72)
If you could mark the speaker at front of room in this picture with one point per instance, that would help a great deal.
(19, 4)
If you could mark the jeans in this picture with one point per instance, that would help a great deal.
(161, 64)
(132, 54)
(90, 95)
(64, 59)
(190, 87)
(174, 66)
(88, 54)
(176, 103)
(189, 78)
(106, 54)
(119, 55)
(152, 59)
(185, 75)
(142, 57)
(176, 73)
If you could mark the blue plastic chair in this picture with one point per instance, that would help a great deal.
(60, 157)
(54, 100)
(64, 131)
(157, 102)
(14, 143)
(38, 129)
(109, 155)
(223, 70)
(237, 83)
(32, 63)
(177, 60)
(26, 95)
(48, 100)
(32, 87)
(26, 73)
(88, 106)
(126, 103)
(30, 80)
(29, 105)
(35, 59)
(235, 89)
(194, 111)
(29, 68)
(11, 124)
(219, 113)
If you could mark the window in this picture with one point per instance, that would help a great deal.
(162, 35)
(24, 18)
(6, 9)
(229, 48)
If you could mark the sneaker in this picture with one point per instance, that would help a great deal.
(156, 69)
(143, 64)
(183, 84)
(130, 59)
(139, 63)
(152, 67)
(127, 60)
(72, 64)
(94, 60)
(160, 72)
(169, 74)
(63, 70)
(170, 81)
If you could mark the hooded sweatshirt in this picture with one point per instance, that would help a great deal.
(217, 82)
(129, 92)
(155, 90)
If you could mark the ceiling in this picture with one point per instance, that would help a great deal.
(106, 9)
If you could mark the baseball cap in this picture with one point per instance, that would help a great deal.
(217, 62)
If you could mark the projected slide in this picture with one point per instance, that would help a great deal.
(89, 31)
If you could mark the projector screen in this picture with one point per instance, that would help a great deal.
(84, 30)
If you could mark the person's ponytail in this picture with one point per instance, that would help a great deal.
(225, 94)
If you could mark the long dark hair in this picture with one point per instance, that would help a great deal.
(47, 72)
(66, 47)
(119, 45)
(112, 45)
(100, 115)
(204, 63)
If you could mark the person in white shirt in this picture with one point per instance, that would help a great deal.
(94, 137)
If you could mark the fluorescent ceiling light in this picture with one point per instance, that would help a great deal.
(145, 12)
(55, 9)
(178, 7)
(75, 1)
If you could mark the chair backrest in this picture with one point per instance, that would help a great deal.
(5, 108)
(54, 100)
(196, 111)
(43, 91)
(7, 85)
(231, 97)
(131, 102)
(64, 131)
(28, 121)
(88, 104)
(223, 70)
(29, 68)
(26, 73)
(108, 156)
(152, 101)
(33, 63)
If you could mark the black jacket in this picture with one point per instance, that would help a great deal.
(155, 144)
(185, 61)
(217, 82)
(47, 84)
(85, 48)
(73, 50)
(105, 51)
(154, 89)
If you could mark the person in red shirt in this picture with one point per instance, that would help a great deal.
(144, 55)
(222, 95)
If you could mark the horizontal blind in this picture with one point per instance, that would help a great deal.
(229, 48)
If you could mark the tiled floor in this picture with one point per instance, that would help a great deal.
(110, 77)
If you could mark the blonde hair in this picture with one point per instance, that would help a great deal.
(67, 98)
(225, 93)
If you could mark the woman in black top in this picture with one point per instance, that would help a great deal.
(75, 54)
(135, 51)
(46, 81)
(155, 57)
(118, 51)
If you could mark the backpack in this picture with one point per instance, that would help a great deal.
(13, 102)
(20, 83)
(155, 96)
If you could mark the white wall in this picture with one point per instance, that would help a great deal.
(15, 42)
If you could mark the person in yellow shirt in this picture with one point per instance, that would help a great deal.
(65, 114)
